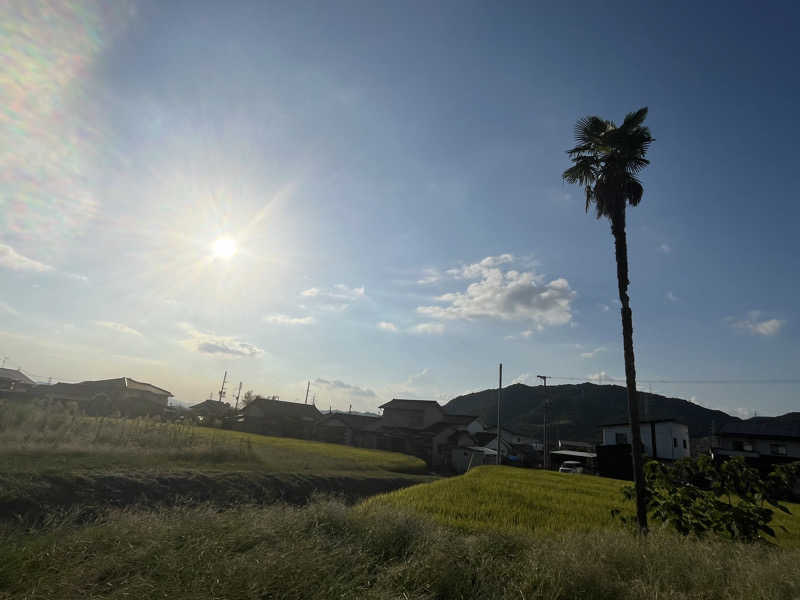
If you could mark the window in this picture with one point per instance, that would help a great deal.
(621, 438)
(684, 444)
(674, 442)
(742, 446)
(777, 449)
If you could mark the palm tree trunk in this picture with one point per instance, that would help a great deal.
(621, 249)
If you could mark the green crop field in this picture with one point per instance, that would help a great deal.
(53, 460)
(35, 439)
(520, 501)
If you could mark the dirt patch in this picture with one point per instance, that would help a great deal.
(34, 499)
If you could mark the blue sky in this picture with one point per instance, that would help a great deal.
(390, 173)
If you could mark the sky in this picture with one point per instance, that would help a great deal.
(387, 176)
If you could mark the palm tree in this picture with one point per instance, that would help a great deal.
(607, 161)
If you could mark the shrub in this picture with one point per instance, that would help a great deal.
(698, 496)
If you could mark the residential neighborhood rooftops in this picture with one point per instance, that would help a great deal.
(271, 406)
(211, 407)
(15, 375)
(353, 421)
(119, 382)
(785, 426)
(405, 403)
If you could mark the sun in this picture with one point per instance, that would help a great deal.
(223, 248)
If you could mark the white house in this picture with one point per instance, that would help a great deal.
(661, 438)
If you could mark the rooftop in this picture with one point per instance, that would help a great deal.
(15, 375)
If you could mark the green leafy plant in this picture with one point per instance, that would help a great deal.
(729, 498)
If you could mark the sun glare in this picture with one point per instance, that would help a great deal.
(224, 248)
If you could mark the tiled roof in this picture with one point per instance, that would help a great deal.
(785, 426)
(15, 375)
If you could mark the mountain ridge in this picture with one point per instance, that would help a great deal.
(578, 411)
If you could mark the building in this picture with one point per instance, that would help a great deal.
(270, 416)
(348, 429)
(211, 412)
(124, 396)
(762, 441)
(14, 380)
(424, 429)
(661, 438)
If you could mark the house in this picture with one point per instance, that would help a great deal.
(762, 441)
(211, 411)
(126, 396)
(270, 416)
(424, 429)
(662, 439)
(14, 380)
(348, 429)
(514, 437)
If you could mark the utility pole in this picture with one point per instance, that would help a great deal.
(546, 424)
(222, 387)
(308, 385)
(499, 425)
(238, 393)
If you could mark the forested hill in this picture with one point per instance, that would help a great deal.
(578, 411)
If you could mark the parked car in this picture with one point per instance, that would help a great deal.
(570, 466)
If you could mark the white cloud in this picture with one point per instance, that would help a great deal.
(279, 319)
(601, 376)
(428, 328)
(755, 325)
(429, 276)
(525, 378)
(672, 297)
(209, 343)
(386, 326)
(337, 387)
(506, 295)
(522, 334)
(338, 297)
(594, 352)
(119, 327)
(605, 307)
(665, 248)
(11, 259)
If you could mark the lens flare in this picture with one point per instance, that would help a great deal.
(223, 248)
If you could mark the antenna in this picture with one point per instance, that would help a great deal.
(5, 358)
(308, 385)
(222, 387)
(314, 399)
(237, 396)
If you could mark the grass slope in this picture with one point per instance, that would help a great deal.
(52, 460)
(524, 501)
(326, 550)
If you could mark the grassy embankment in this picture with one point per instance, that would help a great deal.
(524, 501)
(327, 550)
(53, 458)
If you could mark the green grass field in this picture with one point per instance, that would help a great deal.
(54, 461)
(39, 438)
(524, 501)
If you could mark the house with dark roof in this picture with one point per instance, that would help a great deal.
(761, 440)
(347, 428)
(211, 411)
(14, 380)
(662, 438)
(271, 416)
(126, 396)
(424, 429)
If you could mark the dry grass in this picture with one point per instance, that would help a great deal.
(44, 437)
(530, 501)
(326, 550)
